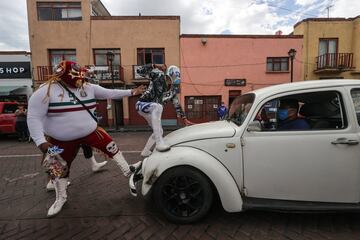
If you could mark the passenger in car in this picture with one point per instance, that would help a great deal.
(288, 116)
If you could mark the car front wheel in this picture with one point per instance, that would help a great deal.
(183, 194)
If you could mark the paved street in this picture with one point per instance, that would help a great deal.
(100, 207)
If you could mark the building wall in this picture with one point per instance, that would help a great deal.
(204, 67)
(130, 33)
(124, 32)
(44, 35)
(356, 46)
(346, 30)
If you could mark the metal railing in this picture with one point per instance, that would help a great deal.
(340, 61)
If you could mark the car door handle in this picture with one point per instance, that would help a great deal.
(345, 141)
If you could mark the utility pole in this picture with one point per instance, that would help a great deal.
(110, 57)
(292, 53)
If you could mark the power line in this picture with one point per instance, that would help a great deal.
(290, 10)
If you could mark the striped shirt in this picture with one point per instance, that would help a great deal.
(60, 116)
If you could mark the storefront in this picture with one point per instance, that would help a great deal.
(15, 76)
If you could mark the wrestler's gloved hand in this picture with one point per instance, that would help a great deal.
(187, 122)
(138, 90)
(44, 146)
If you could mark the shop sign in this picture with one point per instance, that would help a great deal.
(235, 82)
(15, 70)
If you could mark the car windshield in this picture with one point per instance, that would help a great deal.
(240, 108)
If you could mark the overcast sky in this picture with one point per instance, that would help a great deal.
(196, 16)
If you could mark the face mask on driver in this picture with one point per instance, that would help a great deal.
(282, 114)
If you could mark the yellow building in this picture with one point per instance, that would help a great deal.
(85, 32)
(331, 48)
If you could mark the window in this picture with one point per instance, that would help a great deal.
(240, 108)
(327, 46)
(59, 11)
(10, 108)
(150, 55)
(57, 56)
(328, 51)
(355, 94)
(300, 112)
(101, 59)
(277, 64)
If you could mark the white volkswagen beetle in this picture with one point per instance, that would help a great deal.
(251, 161)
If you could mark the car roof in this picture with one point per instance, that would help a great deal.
(303, 85)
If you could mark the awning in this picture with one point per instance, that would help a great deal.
(6, 90)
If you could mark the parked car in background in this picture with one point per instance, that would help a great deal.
(7, 117)
(250, 163)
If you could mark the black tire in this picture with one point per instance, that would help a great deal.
(183, 194)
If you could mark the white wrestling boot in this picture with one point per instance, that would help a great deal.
(135, 178)
(124, 166)
(150, 142)
(96, 166)
(51, 187)
(121, 162)
(61, 197)
(135, 166)
(162, 147)
(145, 153)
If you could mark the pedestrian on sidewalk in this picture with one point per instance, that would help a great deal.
(20, 124)
(222, 111)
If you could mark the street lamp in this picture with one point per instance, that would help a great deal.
(292, 53)
(110, 57)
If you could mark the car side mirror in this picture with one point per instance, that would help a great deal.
(254, 126)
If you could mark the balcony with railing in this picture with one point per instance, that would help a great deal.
(334, 62)
(103, 75)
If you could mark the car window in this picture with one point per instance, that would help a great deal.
(240, 108)
(304, 112)
(9, 108)
(355, 95)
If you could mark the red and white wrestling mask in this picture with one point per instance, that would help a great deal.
(70, 73)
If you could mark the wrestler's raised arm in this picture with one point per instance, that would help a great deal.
(104, 93)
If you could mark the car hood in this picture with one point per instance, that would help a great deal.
(219, 129)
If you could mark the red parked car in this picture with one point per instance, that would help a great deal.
(7, 117)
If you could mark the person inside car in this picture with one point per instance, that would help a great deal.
(288, 116)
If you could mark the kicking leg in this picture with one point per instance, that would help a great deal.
(88, 153)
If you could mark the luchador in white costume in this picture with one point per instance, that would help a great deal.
(150, 104)
(57, 118)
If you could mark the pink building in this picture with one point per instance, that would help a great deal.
(217, 68)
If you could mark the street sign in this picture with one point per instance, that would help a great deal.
(235, 82)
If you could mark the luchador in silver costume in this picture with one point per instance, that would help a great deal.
(150, 104)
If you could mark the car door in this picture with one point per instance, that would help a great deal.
(307, 165)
